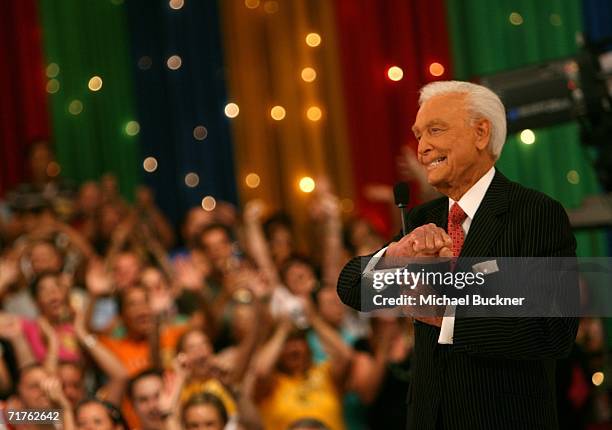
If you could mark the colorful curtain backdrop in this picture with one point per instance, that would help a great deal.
(95, 129)
(520, 33)
(375, 36)
(177, 60)
(286, 83)
(23, 107)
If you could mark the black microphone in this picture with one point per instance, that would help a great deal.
(401, 193)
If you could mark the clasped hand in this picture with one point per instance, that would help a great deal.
(428, 240)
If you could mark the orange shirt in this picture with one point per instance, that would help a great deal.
(135, 356)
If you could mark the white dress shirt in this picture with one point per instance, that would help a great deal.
(469, 202)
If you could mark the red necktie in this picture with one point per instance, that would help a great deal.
(456, 216)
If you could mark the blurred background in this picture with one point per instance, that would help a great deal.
(219, 141)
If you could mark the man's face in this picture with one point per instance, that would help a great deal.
(30, 390)
(217, 246)
(146, 393)
(452, 146)
(126, 271)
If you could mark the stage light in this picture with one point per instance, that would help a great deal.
(176, 4)
(251, 4)
(75, 107)
(573, 177)
(555, 19)
(200, 132)
(53, 70)
(53, 169)
(527, 137)
(209, 203)
(436, 69)
(309, 74)
(132, 128)
(277, 113)
(252, 180)
(347, 205)
(307, 184)
(598, 378)
(232, 110)
(271, 6)
(95, 83)
(145, 62)
(395, 73)
(149, 164)
(53, 86)
(174, 62)
(313, 39)
(314, 113)
(192, 179)
(515, 18)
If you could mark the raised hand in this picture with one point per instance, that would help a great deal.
(160, 300)
(9, 272)
(10, 326)
(379, 193)
(187, 275)
(98, 282)
(52, 387)
(253, 211)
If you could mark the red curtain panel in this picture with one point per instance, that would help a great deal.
(23, 105)
(374, 36)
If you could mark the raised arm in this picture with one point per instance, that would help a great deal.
(256, 243)
(266, 359)
(340, 354)
(332, 239)
(52, 357)
(104, 359)
(10, 329)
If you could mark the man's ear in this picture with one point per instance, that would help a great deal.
(483, 133)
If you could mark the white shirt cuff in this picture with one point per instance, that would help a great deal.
(448, 327)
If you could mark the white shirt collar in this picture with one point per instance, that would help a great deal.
(471, 200)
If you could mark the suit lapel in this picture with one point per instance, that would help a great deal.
(487, 225)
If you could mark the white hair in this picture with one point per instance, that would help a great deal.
(482, 103)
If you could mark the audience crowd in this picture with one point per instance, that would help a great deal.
(111, 317)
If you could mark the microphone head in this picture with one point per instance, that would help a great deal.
(401, 192)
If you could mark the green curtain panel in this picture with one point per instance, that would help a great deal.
(94, 132)
(491, 36)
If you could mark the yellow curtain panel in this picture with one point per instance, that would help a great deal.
(283, 73)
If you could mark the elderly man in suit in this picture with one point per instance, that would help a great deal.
(489, 372)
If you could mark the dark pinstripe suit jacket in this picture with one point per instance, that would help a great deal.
(500, 372)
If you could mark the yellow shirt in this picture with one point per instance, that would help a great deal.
(313, 395)
(211, 386)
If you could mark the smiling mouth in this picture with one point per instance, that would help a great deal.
(436, 163)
